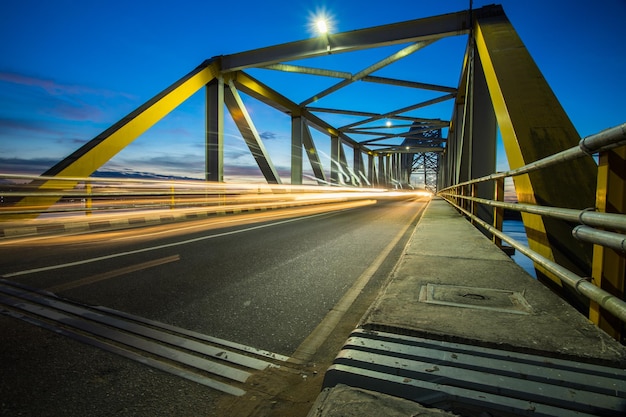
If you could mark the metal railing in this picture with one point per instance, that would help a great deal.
(462, 196)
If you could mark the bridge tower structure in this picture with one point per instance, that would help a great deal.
(421, 169)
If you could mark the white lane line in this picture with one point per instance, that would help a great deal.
(112, 274)
(153, 248)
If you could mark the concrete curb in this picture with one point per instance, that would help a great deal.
(344, 401)
(445, 258)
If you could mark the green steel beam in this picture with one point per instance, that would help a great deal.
(297, 126)
(311, 151)
(214, 142)
(403, 53)
(244, 123)
(430, 28)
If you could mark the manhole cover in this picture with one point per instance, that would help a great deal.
(473, 297)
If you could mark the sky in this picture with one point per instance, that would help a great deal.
(69, 69)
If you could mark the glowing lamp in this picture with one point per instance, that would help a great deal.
(322, 26)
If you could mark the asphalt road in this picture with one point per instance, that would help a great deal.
(263, 280)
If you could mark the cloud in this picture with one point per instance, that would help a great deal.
(165, 165)
(250, 173)
(24, 96)
(29, 135)
(34, 166)
(129, 173)
(14, 125)
(77, 110)
(55, 88)
(236, 154)
(268, 135)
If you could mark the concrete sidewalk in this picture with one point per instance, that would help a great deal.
(454, 290)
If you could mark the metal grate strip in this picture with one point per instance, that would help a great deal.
(459, 377)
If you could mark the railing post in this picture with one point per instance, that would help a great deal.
(461, 200)
(609, 266)
(472, 203)
(88, 202)
(498, 212)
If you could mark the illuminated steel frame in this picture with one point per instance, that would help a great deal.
(500, 88)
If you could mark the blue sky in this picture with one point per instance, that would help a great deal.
(70, 69)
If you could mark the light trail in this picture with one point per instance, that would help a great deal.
(82, 197)
(242, 219)
(172, 244)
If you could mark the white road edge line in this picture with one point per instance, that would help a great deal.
(318, 336)
(152, 248)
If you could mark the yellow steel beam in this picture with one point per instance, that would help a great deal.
(533, 125)
(262, 92)
(609, 266)
(95, 153)
(254, 88)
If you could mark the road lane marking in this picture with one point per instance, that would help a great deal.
(112, 274)
(318, 336)
(153, 248)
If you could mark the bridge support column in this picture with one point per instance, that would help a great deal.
(479, 137)
(387, 171)
(358, 165)
(296, 150)
(371, 170)
(335, 156)
(214, 144)
(382, 177)
(397, 171)
(456, 144)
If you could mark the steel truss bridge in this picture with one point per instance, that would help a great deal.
(500, 88)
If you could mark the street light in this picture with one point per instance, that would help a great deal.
(322, 25)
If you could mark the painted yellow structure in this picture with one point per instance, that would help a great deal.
(95, 153)
(534, 125)
(609, 266)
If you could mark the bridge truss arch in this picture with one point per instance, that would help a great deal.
(499, 88)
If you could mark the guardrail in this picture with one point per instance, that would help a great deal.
(613, 225)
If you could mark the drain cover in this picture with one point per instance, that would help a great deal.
(473, 297)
